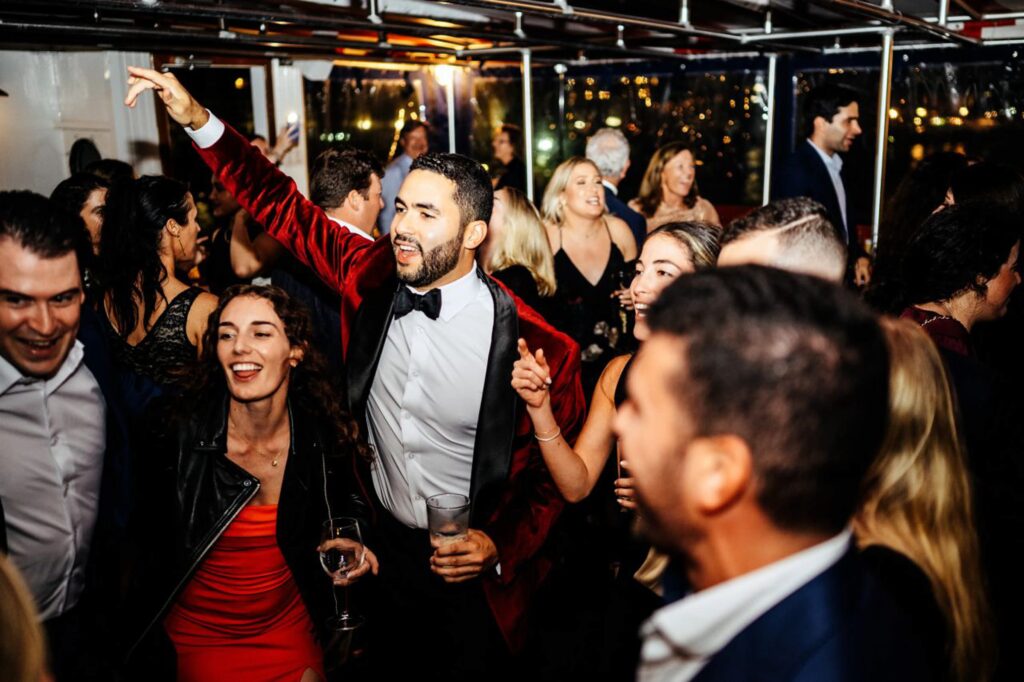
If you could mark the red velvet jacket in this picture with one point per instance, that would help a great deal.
(513, 497)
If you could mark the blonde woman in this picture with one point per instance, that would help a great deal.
(918, 498)
(516, 250)
(591, 249)
(22, 647)
(668, 192)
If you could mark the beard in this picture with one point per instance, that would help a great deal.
(436, 263)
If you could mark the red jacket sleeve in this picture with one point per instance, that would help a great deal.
(532, 503)
(273, 200)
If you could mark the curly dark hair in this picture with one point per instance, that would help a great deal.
(949, 254)
(308, 387)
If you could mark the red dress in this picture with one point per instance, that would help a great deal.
(241, 616)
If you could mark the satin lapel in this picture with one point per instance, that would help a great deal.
(369, 329)
(492, 451)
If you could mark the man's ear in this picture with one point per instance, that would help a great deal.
(354, 200)
(475, 234)
(721, 471)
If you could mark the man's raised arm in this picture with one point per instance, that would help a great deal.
(269, 195)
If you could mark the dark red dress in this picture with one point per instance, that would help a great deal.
(241, 616)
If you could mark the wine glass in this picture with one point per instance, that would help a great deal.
(342, 552)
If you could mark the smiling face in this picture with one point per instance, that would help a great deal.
(431, 248)
(678, 175)
(838, 134)
(254, 350)
(662, 260)
(415, 143)
(40, 303)
(583, 195)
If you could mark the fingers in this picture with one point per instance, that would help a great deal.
(533, 373)
(626, 503)
(371, 560)
(542, 362)
(136, 89)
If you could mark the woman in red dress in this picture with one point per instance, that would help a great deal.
(242, 485)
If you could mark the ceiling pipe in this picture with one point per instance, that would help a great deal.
(886, 13)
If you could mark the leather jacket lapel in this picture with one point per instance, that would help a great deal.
(492, 451)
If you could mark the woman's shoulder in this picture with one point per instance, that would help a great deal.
(613, 373)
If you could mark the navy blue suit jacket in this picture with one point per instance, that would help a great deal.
(637, 223)
(845, 625)
(804, 174)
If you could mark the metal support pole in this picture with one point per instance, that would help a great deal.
(449, 93)
(943, 12)
(528, 121)
(769, 132)
(684, 12)
(882, 141)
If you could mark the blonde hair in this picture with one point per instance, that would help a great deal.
(918, 496)
(649, 195)
(22, 647)
(551, 207)
(524, 243)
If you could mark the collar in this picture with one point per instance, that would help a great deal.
(610, 187)
(835, 162)
(458, 294)
(701, 624)
(10, 375)
(348, 226)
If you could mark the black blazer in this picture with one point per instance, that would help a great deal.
(804, 174)
(847, 624)
(636, 221)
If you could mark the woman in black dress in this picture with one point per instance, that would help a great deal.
(591, 251)
(516, 251)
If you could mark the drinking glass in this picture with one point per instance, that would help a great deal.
(447, 518)
(342, 552)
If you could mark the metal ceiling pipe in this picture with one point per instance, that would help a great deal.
(822, 33)
(943, 12)
(876, 12)
(769, 132)
(882, 137)
(583, 15)
(528, 121)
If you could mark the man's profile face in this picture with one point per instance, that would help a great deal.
(426, 232)
(40, 304)
(370, 207)
(654, 430)
(842, 130)
(415, 143)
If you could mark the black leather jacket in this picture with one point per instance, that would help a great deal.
(192, 492)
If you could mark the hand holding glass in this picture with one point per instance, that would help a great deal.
(447, 518)
(343, 557)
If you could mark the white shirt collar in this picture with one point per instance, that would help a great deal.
(10, 375)
(349, 226)
(610, 187)
(833, 162)
(458, 294)
(701, 624)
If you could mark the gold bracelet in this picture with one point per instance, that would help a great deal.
(548, 439)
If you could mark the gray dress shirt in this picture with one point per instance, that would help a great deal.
(52, 440)
(394, 176)
(424, 403)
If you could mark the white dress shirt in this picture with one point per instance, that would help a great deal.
(52, 441)
(424, 403)
(350, 227)
(679, 639)
(834, 164)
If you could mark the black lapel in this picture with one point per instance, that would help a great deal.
(369, 329)
(492, 451)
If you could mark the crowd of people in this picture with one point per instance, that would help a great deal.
(690, 451)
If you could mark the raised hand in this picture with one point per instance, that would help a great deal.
(180, 105)
(531, 376)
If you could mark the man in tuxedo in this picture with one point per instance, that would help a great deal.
(429, 344)
(754, 411)
(832, 123)
(609, 149)
(64, 461)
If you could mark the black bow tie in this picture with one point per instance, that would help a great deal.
(406, 301)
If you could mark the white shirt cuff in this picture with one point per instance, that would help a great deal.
(208, 135)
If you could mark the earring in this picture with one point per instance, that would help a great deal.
(180, 245)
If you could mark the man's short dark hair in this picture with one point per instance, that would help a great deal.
(39, 226)
(72, 193)
(825, 100)
(515, 135)
(112, 170)
(338, 171)
(411, 126)
(796, 367)
(473, 192)
(796, 218)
